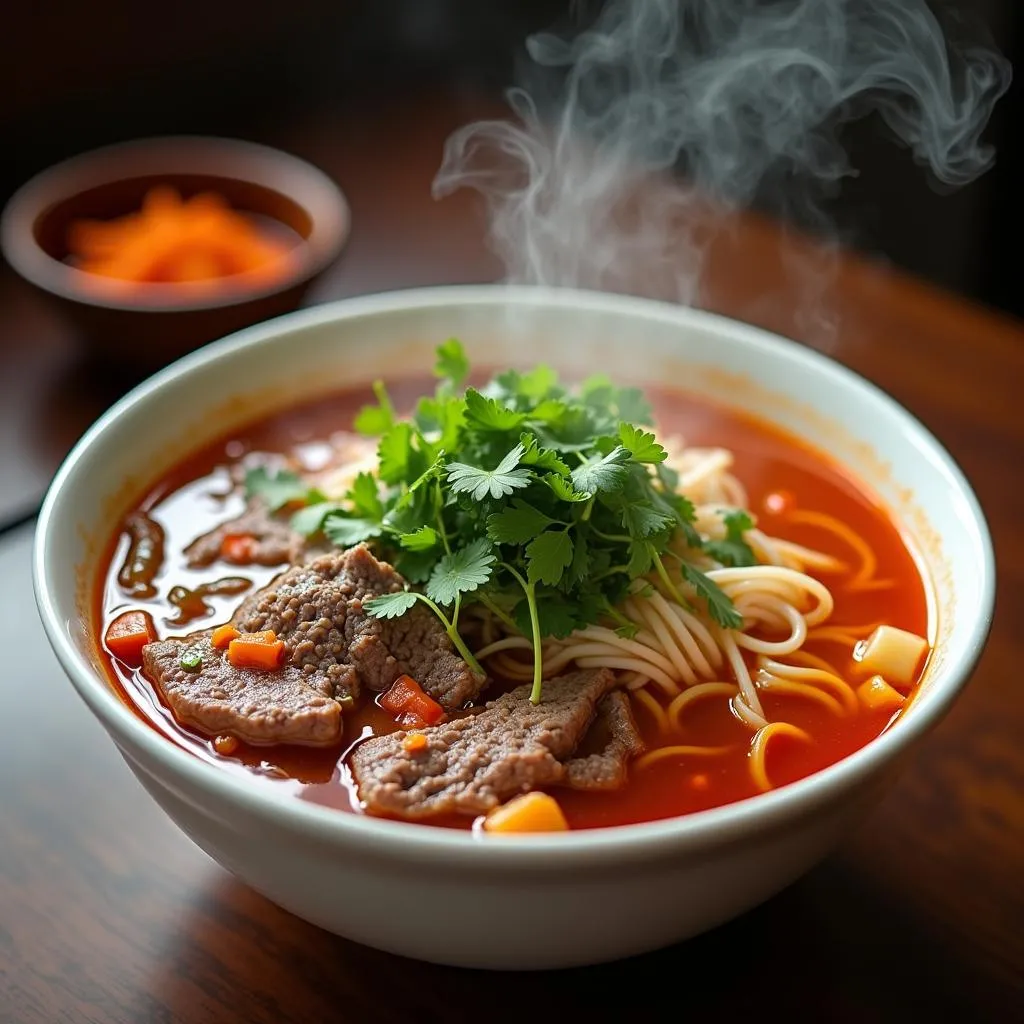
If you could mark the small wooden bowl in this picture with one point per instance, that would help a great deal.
(146, 326)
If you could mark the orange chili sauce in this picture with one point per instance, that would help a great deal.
(195, 497)
(170, 240)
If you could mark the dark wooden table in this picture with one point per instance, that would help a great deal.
(107, 913)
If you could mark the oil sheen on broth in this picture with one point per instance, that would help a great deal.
(789, 487)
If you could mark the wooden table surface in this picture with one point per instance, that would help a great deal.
(107, 913)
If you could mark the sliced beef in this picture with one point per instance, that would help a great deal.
(617, 741)
(274, 542)
(332, 649)
(317, 610)
(263, 708)
(472, 764)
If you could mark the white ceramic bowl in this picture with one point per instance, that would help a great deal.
(529, 901)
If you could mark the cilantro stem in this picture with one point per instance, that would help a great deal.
(622, 538)
(439, 516)
(538, 661)
(381, 391)
(453, 633)
(617, 616)
(495, 610)
(666, 580)
(587, 509)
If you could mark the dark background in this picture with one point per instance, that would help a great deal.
(74, 75)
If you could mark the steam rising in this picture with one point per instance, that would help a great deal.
(744, 97)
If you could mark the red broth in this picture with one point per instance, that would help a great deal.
(196, 496)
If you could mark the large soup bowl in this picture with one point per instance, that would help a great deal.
(512, 901)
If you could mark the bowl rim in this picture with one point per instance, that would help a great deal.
(215, 156)
(536, 853)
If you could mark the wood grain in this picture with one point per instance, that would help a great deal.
(108, 914)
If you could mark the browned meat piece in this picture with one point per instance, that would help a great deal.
(615, 740)
(332, 648)
(259, 707)
(317, 610)
(475, 763)
(274, 542)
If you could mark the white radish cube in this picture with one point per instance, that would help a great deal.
(877, 693)
(892, 653)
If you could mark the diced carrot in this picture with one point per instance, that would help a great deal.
(395, 699)
(409, 705)
(415, 743)
(531, 812)
(426, 708)
(223, 635)
(263, 636)
(237, 548)
(128, 634)
(256, 650)
(225, 745)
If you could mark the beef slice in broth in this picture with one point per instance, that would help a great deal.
(471, 765)
(273, 541)
(617, 741)
(262, 708)
(317, 609)
(332, 649)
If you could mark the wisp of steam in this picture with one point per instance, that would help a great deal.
(737, 95)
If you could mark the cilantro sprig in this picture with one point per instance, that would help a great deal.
(733, 550)
(541, 503)
(278, 489)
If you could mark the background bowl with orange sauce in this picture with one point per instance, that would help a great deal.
(157, 246)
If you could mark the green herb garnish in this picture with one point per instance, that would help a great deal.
(541, 504)
(191, 661)
(734, 550)
(278, 489)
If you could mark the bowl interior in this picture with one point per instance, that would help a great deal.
(314, 352)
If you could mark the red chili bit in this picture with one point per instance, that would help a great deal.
(237, 548)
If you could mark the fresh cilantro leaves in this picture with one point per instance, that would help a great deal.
(605, 474)
(376, 419)
(733, 550)
(278, 489)
(641, 519)
(310, 519)
(640, 444)
(548, 556)
(364, 497)
(498, 482)
(391, 606)
(461, 572)
(452, 363)
(518, 523)
(423, 539)
(719, 606)
(544, 504)
(394, 454)
(345, 531)
(489, 414)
